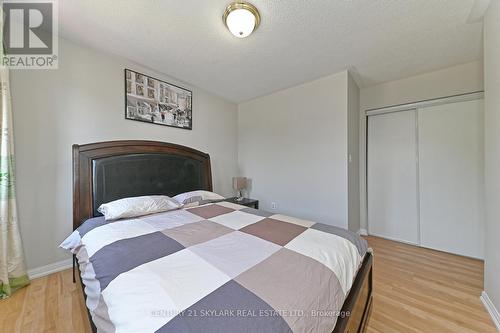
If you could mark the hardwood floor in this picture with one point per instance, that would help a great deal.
(49, 304)
(421, 290)
(415, 290)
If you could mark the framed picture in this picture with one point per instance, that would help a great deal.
(154, 101)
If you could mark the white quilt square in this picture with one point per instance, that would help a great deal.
(333, 251)
(170, 219)
(236, 220)
(97, 238)
(135, 305)
(231, 205)
(293, 220)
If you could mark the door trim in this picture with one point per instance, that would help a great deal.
(426, 103)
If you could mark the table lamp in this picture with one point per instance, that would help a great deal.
(239, 184)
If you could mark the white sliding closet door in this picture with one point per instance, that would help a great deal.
(392, 176)
(451, 158)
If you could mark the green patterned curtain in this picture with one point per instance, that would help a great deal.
(12, 267)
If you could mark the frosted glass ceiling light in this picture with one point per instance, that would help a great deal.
(241, 18)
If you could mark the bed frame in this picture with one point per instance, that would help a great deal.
(112, 170)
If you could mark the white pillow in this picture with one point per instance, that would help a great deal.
(137, 206)
(197, 196)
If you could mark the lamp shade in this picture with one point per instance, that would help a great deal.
(241, 23)
(241, 18)
(239, 183)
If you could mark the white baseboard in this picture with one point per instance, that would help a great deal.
(50, 268)
(362, 232)
(492, 310)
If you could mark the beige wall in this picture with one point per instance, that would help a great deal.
(293, 145)
(451, 81)
(445, 82)
(82, 102)
(492, 151)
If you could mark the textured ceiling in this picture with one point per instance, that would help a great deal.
(298, 40)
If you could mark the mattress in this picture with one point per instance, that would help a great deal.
(219, 267)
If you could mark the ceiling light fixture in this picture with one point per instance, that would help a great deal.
(241, 18)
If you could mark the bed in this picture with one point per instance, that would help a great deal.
(218, 267)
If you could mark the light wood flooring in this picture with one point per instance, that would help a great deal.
(415, 290)
(421, 290)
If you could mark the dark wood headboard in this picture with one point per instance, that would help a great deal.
(106, 171)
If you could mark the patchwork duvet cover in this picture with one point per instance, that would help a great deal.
(215, 268)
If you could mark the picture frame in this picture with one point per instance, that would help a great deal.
(151, 100)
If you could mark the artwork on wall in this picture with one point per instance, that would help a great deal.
(158, 102)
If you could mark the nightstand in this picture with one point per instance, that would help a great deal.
(245, 202)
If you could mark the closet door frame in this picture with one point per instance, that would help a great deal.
(408, 107)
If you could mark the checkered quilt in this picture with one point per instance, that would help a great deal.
(218, 268)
